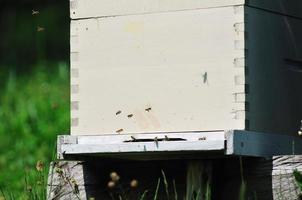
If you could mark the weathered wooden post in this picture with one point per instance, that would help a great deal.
(200, 83)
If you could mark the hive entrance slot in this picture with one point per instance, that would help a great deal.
(156, 139)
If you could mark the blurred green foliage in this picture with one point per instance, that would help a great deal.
(33, 109)
(34, 88)
(22, 46)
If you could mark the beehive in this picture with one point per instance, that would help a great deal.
(145, 66)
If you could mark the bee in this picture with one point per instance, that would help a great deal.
(40, 29)
(205, 77)
(120, 130)
(118, 112)
(133, 139)
(129, 116)
(35, 12)
(156, 141)
(202, 138)
(148, 109)
(166, 138)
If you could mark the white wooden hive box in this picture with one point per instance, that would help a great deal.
(147, 66)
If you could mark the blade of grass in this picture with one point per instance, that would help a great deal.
(175, 191)
(144, 195)
(208, 191)
(255, 195)
(12, 196)
(166, 184)
(3, 193)
(198, 195)
(157, 188)
(242, 191)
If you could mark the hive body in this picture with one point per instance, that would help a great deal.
(183, 66)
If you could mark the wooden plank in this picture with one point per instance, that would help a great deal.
(147, 146)
(248, 143)
(143, 147)
(159, 82)
(239, 143)
(284, 184)
(273, 72)
(66, 180)
(99, 8)
(125, 145)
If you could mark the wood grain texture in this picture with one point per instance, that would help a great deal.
(66, 181)
(160, 69)
(284, 183)
(275, 98)
(265, 179)
(100, 8)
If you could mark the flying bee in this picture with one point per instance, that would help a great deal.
(148, 109)
(40, 29)
(35, 12)
(118, 112)
(129, 116)
(120, 130)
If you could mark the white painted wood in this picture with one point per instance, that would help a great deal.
(99, 8)
(237, 142)
(165, 72)
(124, 144)
(204, 77)
(126, 148)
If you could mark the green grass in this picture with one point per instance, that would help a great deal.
(34, 108)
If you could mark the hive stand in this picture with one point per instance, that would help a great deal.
(191, 160)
